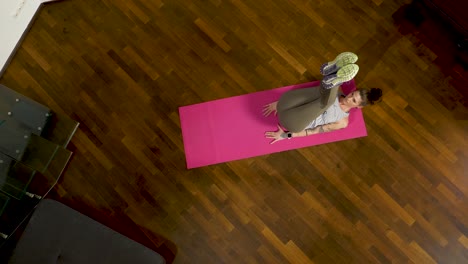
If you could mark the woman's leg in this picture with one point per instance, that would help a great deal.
(298, 97)
(297, 108)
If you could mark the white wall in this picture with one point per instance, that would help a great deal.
(15, 17)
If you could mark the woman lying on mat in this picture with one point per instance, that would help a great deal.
(332, 118)
(320, 109)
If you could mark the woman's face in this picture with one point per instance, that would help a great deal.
(353, 100)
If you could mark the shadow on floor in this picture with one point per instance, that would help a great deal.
(434, 31)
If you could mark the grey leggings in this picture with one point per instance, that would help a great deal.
(297, 108)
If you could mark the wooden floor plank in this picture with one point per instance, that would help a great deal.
(122, 69)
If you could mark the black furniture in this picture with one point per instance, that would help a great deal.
(58, 234)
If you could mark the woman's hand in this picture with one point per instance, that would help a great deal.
(276, 135)
(270, 108)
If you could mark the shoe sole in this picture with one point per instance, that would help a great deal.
(344, 74)
(340, 61)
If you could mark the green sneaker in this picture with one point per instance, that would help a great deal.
(340, 61)
(344, 74)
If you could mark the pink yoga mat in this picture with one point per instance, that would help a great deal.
(233, 128)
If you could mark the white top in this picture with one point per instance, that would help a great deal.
(331, 115)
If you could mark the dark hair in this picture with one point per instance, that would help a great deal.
(370, 96)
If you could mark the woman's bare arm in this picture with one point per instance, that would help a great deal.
(280, 134)
(323, 128)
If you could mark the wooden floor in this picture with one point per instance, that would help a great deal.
(123, 67)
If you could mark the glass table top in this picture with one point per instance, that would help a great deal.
(33, 155)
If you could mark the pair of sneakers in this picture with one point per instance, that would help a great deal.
(340, 70)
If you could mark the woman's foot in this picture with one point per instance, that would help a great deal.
(340, 61)
(344, 74)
